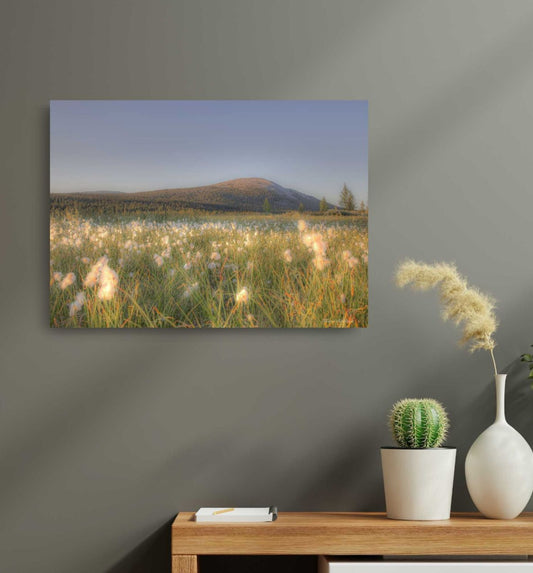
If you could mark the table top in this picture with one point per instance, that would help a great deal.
(331, 533)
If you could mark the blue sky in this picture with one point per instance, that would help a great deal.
(311, 146)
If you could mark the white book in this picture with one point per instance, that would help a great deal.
(236, 514)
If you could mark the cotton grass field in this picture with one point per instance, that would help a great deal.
(227, 271)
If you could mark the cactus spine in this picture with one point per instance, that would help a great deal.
(418, 423)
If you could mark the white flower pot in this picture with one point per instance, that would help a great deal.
(418, 482)
(499, 466)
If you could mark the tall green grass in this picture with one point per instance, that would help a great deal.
(205, 263)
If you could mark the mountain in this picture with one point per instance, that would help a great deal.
(247, 194)
(119, 193)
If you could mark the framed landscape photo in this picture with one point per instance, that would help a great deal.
(208, 214)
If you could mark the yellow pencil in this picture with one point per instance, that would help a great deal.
(223, 510)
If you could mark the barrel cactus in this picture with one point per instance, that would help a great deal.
(418, 423)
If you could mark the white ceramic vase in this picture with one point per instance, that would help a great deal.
(418, 482)
(499, 466)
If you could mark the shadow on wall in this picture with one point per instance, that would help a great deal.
(44, 222)
(151, 556)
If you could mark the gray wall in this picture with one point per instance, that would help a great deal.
(105, 435)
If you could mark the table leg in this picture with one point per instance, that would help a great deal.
(185, 564)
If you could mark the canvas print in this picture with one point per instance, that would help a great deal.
(208, 214)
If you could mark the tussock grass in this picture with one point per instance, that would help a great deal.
(241, 271)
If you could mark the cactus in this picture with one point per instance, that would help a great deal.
(418, 423)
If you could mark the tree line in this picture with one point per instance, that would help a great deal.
(347, 202)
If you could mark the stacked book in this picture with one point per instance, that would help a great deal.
(236, 514)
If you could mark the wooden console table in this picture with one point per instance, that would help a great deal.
(349, 534)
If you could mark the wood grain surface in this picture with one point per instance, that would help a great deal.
(354, 534)
(184, 564)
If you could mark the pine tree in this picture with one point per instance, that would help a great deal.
(266, 206)
(363, 206)
(301, 208)
(323, 205)
(347, 200)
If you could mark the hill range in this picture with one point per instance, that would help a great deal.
(246, 194)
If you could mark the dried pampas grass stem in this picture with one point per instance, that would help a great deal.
(466, 306)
